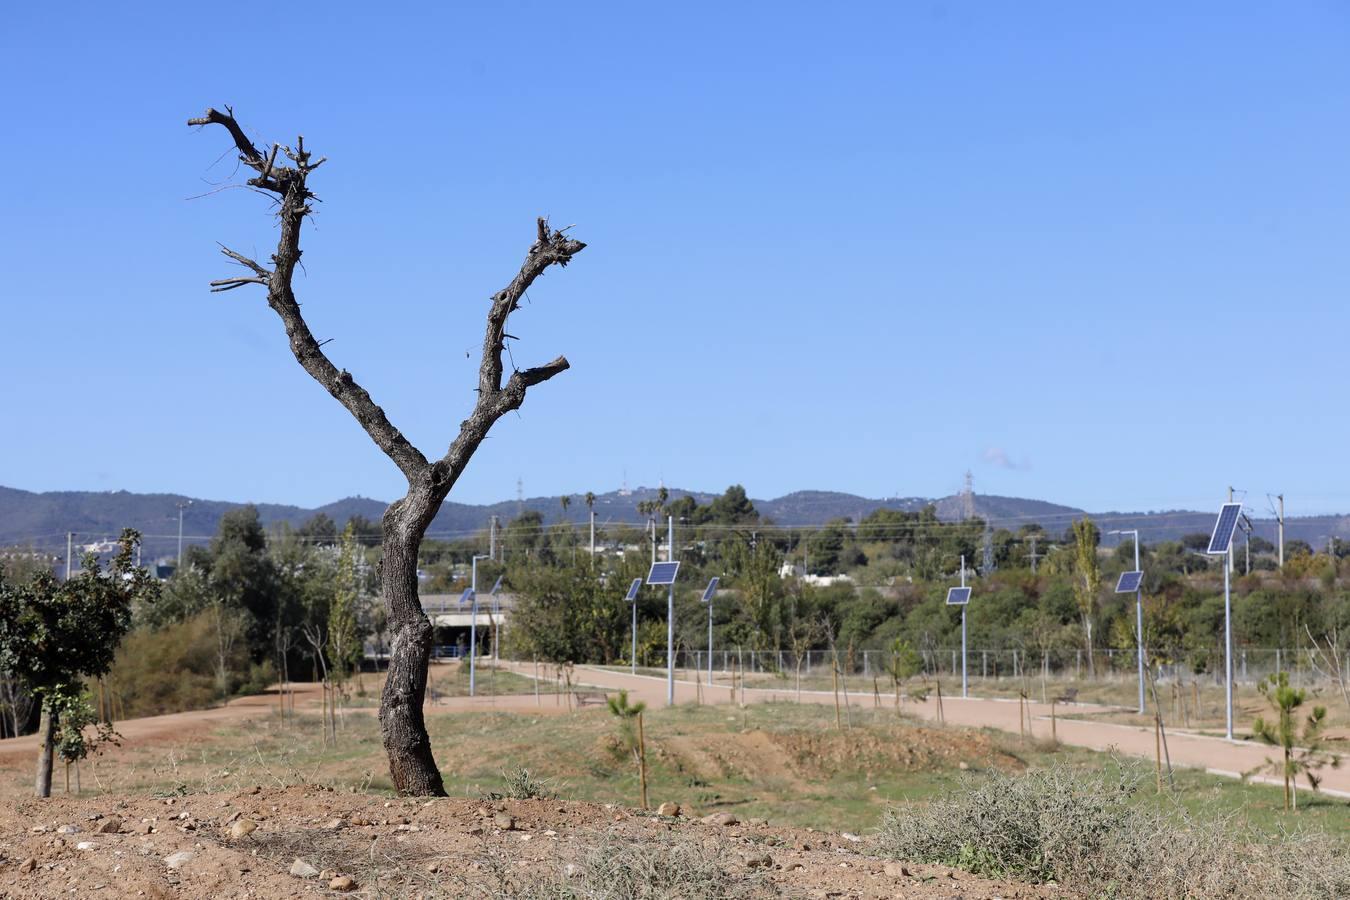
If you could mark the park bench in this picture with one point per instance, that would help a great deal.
(1070, 695)
(589, 698)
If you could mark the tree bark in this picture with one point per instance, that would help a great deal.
(46, 751)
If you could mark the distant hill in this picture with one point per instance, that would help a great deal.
(41, 520)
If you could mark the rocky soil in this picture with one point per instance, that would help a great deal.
(308, 841)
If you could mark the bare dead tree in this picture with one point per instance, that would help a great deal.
(411, 766)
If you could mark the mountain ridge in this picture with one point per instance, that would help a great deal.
(41, 519)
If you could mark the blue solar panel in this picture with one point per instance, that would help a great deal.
(1223, 528)
(467, 597)
(958, 596)
(663, 573)
(712, 589)
(497, 585)
(1129, 582)
(633, 590)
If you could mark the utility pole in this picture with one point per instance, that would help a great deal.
(178, 562)
(473, 623)
(1281, 498)
(592, 534)
(1033, 554)
(70, 548)
(492, 538)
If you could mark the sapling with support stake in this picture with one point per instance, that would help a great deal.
(636, 738)
(412, 767)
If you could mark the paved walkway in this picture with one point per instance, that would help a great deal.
(1215, 755)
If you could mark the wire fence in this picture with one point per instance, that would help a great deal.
(1250, 664)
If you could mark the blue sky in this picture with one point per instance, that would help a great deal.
(1094, 253)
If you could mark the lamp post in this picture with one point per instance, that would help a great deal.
(965, 691)
(473, 626)
(708, 599)
(1221, 544)
(670, 616)
(1138, 614)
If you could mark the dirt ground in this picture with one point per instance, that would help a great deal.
(182, 847)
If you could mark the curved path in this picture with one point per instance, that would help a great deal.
(1215, 755)
(1187, 749)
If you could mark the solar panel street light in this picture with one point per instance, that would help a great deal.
(631, 598)
(708, 599)
(1220, 541)
(1224, 526)
(1131, 582)
(960, 596)
(670, 570)
(663, 573)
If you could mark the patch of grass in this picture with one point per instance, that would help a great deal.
(782, 762)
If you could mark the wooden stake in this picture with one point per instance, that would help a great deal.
(1157, 749)
(1054, 731)
(942, 716)
(834, 672)
(642, 760)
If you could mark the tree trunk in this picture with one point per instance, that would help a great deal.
(46, 750)
(411, 764)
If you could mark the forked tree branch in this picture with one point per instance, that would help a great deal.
(429, 483)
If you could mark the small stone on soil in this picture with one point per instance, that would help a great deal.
(342, 883)
(302, 869)
(721, 818)
(28, 865)
(179, 859)
(503, 821)
(110, 825)
(668, 809)
(242, 828)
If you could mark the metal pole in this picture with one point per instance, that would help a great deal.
(632, 655)
(1281, 532)
(670, 616)
(592, 534)
(710, 642)
(1228, 655)
(1139, 623)
(965, 691)
(473, 626)
(70, 547)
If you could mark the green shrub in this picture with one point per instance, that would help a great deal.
(1081, 829)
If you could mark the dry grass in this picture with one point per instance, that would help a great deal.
(671, 867)
(1081, 829)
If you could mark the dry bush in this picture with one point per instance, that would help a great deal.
(671, 867)
(1082, 830)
